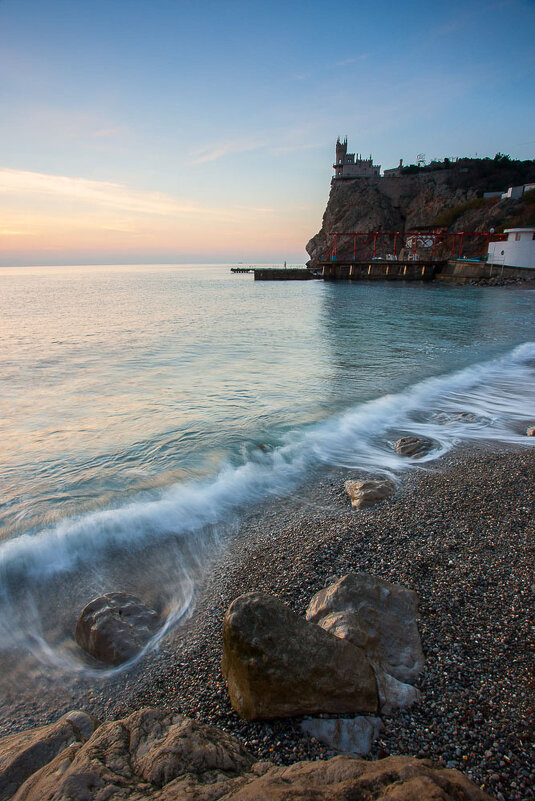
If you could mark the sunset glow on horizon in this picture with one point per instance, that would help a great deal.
(173, 133)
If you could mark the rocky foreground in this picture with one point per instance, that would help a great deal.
(461, 536)
(164, 757)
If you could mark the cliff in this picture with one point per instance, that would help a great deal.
(448, 195)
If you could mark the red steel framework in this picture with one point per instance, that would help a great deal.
(412, 240)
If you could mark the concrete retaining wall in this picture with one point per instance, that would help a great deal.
(282, 274)
(461, 272)
(379, 271)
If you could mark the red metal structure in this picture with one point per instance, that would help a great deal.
(413, 242)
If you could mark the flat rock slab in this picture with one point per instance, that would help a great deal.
(415, 447)
(367, 493)
(155, 755)
(377, 616)
(278, 665)
(350, 735)
(113, 628)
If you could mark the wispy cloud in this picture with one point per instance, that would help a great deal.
(348, 61)
(102, 194)
(214, 152)
(321, 69)
(11, 232)
(278, 143)
(104, 133)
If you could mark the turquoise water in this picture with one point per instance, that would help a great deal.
(143, 404)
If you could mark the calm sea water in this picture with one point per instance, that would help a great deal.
(144, 406)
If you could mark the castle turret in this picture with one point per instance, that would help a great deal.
(341, 151)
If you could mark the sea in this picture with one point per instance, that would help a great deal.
(144, 409)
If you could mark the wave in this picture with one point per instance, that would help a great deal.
(494, 400)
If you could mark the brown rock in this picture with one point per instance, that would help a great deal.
(150, 754)
(114, 627)
(415, 447)
(155, 755)
(393, 694)
(24, 753)
(397, 778)
(530, 432)
(278, 665)
(374, 615)
(366, 493)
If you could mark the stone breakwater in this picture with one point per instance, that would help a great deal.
(460, 535)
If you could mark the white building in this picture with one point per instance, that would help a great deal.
(513, 193)
(516, 248)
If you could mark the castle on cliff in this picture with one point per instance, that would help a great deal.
(349, 165)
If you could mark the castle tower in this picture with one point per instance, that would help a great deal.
(346, 166)
(341, 151)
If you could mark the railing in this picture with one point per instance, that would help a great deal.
(412, 241)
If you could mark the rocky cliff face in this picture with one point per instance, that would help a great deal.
(441, 197)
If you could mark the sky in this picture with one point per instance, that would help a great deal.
(174, 131)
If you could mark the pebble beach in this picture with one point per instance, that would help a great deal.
(460, 533)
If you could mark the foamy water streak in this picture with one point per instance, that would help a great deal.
(490, 401)
(500, 394)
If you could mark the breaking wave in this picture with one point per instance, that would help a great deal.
(492, 401)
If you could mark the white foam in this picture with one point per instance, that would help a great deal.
(499, 395)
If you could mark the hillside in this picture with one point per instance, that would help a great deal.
(443, 193)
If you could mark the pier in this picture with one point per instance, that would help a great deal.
(283, 274)
(380, 270)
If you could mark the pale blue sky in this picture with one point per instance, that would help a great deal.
(177, 131)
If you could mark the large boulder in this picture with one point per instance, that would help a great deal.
(163, 757)
(278, 665)
(415, 447)
(366, 493)
(26, 752)
(374, 615)
(113, 628)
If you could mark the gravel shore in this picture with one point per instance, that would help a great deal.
(460, 533)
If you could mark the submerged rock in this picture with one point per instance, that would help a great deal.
(377, 616)
(415, 447)
(444, 418)
(114, 627)
(366, 493)
(155, 755)
(278, 665)
(351, 735)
